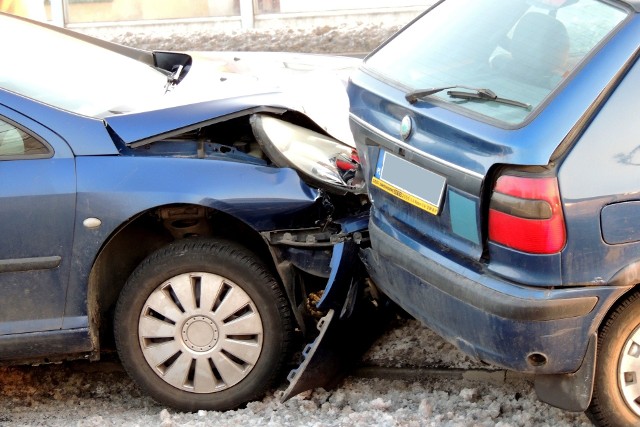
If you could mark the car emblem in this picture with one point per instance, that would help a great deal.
(406, 126)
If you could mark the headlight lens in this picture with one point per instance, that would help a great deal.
(324, 161)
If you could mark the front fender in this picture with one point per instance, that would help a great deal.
(112, 190)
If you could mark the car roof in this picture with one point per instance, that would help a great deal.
(635, 4)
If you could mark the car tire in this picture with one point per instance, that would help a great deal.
(203, 324)
(616, 394)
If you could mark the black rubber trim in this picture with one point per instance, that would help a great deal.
(540, 305)
(29, 264)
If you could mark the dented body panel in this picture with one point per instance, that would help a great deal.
(100, 192)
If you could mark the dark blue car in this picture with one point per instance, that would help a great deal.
(165, 203)
(500, 148)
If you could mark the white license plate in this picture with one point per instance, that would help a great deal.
(406, 181)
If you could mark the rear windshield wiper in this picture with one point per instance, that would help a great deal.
(470, 93)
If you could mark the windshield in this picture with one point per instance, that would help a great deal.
(71, 74)
(520, 50)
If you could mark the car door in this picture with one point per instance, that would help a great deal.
(37, 208)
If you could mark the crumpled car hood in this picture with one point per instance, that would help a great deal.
(225, 84)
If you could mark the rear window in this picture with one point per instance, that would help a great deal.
(520, 50)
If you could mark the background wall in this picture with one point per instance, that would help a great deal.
(233, 13)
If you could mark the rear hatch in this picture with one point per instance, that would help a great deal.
(472, 90)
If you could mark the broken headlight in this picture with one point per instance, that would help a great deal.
(321, 160)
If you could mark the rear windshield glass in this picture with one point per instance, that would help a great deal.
(518, 49)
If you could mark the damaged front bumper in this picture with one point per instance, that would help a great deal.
(321, 260)
(352, 318)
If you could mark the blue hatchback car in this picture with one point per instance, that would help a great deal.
(168, 203)
(500, 151)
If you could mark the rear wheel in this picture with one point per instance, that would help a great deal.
(616, 395)
(202, 324)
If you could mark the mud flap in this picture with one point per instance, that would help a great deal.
(343, 339)
(571, 392)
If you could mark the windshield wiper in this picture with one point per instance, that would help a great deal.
(474, 93)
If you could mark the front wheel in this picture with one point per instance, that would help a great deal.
(202, 324)
(616, 394)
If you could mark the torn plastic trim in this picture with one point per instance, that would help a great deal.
(346, 267)
(352, 317)
(309, 237)
(343, 263)
(315, 370)
(342, 268)
(313, 241)
(342, 341)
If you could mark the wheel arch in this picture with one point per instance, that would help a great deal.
(628, 276)
(608, 405)
(146, 232)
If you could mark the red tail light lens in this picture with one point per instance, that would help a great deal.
(526, 214)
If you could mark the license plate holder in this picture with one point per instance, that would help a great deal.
(409, 182)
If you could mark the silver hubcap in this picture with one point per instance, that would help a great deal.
(200, 332)
(629, 371)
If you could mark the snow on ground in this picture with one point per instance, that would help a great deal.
(88, 394)
(100, 394)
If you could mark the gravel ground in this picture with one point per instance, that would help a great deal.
(100, 394)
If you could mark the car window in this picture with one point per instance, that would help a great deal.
(521, 50)
(15, 143)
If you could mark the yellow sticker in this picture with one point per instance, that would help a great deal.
(409, 198)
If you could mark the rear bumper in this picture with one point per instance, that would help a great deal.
(527, 329)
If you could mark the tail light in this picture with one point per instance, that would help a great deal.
(526, 214)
